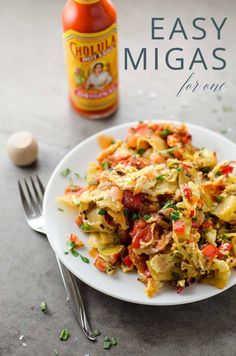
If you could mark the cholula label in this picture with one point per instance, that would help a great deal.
(92, 68)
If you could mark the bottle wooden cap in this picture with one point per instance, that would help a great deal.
(22, 148)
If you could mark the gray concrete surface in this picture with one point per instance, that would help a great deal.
(34, 97)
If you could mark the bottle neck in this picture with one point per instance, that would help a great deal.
(87, 2)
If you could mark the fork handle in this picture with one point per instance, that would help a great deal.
(75, 298)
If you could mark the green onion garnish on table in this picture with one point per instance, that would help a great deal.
(43, 306)
(64, 335)
(96, 332)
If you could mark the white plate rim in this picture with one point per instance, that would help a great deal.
(59, 253)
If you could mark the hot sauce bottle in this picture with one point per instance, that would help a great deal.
(90, 38)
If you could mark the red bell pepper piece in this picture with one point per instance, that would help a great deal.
(128, 262)
(210, 251)
(226, 246)
(100, 264)
(179, 227)
(226, 169)
(187, 192)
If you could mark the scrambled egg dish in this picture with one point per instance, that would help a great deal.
(159, 206)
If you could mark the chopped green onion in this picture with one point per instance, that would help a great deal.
(223, 131)
(60, 209)
(168, 150)
(134, 216)
(84, 259)
(106, 338)
(219, 198)
(102, 212)
(218, 174)
(227, 108)
(146, 216)
(106, 165)
(165, 133)
(160, 178)
(178, 169)
(56, 352)
(106, 345)
(74, 253)
(224, 238)
(65, 173)
(85, 227)
(113, 341)
(77, 175)
(169, 204)
(64, 335)
(66, 252)
(70, 244)
(205, 169)
(43, 306)
(126, 212)
(174, 215)
(141, 151)
(96, 332)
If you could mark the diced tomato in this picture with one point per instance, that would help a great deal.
(114, 160)
(141, 232)
(195, 224)
(114, 258)
(173, 140)
(79, 221)
(100, 264)
(192, 213)
(210, 251)
(144, 129)
(187, 192)
(176, 138)
(128, 262)
(186, 166)
(74, 238)
(179, 227)
(186, 138)
(226, 169)
(207, 224)
(132, 202)
(200, 202)
(134, 133)
(147, 273)
(179, 289)
(138, 163)
(226, 246)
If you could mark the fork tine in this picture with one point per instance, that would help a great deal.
(36, 192)
(31, 198)
(40, 185)
(23, 199)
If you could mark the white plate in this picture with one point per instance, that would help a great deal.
(60, 224)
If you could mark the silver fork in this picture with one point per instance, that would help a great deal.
(32, 203)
